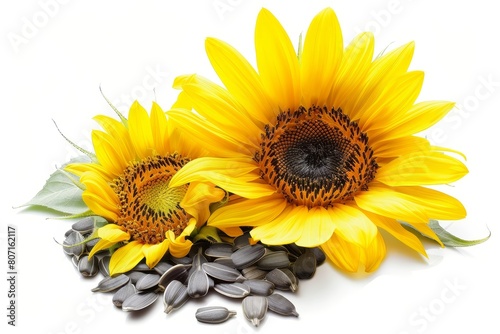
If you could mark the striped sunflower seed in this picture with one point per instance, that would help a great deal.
(213, 314)
(305, 265)
(248, 255)
(147, 281)
(88, 267)
(259, 287)
(222, 272)
(232, 290)
(162, 267)
(219, 249)
(174, 296)
(135, 276)
(283, 279)
(198, 284)
(139, 301)
(179, 272)
(274, 259)
(254, 273)
(281, 305)
(123, 293)
(84, 226)
(255, 309)
(104, 265)
(73, 244)
(111, 283)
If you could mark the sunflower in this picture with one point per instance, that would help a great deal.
(319, 147)
(128, 185)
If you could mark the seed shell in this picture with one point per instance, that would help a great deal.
(259, 287)
(73, 244)
(139, 301)
(88, 267)
(283, 279)
(213, 314)
(248, 255)
(272, 260)
(305, 265)
(222, 272)
(123, 293)
(111, 283)
(198, 284)
(232, 290)
(179, 272)
(219, 249)
(84, 226)
(104, 265)
(281, 305)
(174, 296)
(255, 309)
(147, 281)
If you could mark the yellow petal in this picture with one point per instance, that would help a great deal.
(374, 254)
(125, 258)
(141, 135)
(396, 147)
(317, 228)
(159, 130)
(180, 246)
(399, 232)
(100, 245)
(238, 176)
(284, 229)
(248, 212)
(321, 58)
(353, 225)
(240, 79)
(112, 232)
(154, 253)
(277, 61)
(198, 198)
(421, 168)
(107, 154)
(343, 254)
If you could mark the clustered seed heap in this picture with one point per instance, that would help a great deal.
(235, 269)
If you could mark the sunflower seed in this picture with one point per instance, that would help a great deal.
(259, 287)
(255, 308)
(88, 267)
(104, 265)
(248, 255)
(305, 265)
(91, 243)
(175, 296)
(225, 261)
(253, 272)
(179, 272)
(219, 249)
(147, 281)
(139, 301)
(232, 290)
(74, 260)
(135, 276)
(213, 314)
(294, 249)
(283, 279)
(198, 284)
(272, 260)
(142, 267)
(281, 305)
(241, 241)
(222, 272)
(111, 283)
(162, 267)
(181, 260)
(73, 244)
(320, 255)
(123, 293)
(84, 226)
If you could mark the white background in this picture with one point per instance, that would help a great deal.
(56, 54)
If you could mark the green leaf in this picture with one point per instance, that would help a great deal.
(447, 238)
(208, 233)
(62, 192)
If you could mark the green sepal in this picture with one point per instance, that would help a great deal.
(446, 237)
(62, 192)
(208, 233)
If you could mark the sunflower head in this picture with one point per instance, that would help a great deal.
(320, 147)
(128, 183)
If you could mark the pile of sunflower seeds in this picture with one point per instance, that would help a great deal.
(236, 269)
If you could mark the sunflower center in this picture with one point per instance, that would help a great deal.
(316, 157)
(148, 206)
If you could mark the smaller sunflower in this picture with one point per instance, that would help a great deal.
(128, 185)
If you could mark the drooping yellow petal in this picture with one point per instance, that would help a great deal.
(198, 198)
(317, 227)
(180, 246)
(352, 225)
(343, 254)
(321, 58)
(284, 229)
(100, 245)
(421, 168)
(373, 255)
(240, 79)
(277, 62)
(233, 175)
(125, 258)
(154, 253)
(248, 212)
(398, 231)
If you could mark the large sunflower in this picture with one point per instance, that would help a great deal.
(319, 147)
(128, 185)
